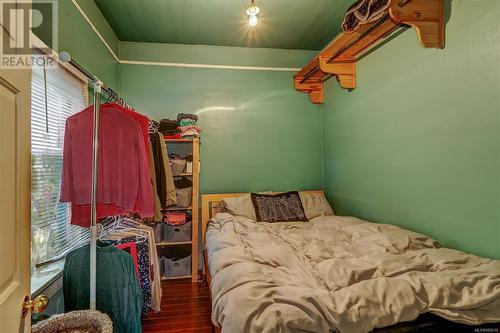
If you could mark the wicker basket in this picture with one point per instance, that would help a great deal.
(88, 321)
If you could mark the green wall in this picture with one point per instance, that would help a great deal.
(417, 143)
(77, 37)
(258, 132)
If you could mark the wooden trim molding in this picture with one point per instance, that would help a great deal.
(91, 24)
(213, 66)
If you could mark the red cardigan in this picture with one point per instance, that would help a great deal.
(124, 181)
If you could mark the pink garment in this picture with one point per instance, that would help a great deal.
(80, 214)
(140, 118)
(124, 182)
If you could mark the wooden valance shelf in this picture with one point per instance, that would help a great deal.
(339, 57)
(179, 140)
(179, 208)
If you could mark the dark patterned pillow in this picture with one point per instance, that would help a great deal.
(283, 207)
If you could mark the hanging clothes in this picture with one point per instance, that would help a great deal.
(157, 205)
(156, 291)
(141, 119)
(124, 181)
(164, 180)
(135, 231)
(131, 248)
(118, 293)
(143, 261)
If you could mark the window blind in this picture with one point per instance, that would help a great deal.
(56, 94)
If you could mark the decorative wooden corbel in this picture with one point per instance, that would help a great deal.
(345, 71)
(426, 16)
(312, 87)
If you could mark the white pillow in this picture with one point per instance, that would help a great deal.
(240, 206)
(315, 205)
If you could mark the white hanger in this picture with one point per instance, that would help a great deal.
(122, 225)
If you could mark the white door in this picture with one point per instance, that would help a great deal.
(15, 187)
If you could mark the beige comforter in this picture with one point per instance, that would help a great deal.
(342, 274)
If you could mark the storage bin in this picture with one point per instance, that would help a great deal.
(184, 197)
(159, 232)
(177, 267)
(177, 166)
(189, 167)
(163, 263)
(177, 233)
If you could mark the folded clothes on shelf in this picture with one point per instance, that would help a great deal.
(182, 116)
(187, 122)
(175, 136)
(175, 218)
(168, 127)
(183, 182)
(191, 131)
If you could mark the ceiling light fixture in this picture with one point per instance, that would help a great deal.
(253, 13)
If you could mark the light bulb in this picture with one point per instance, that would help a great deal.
(253, 20)
(253, 10)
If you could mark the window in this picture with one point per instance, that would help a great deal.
(56, 94)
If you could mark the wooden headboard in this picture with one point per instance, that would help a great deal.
(211, 205)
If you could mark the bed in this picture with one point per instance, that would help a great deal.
(340, 274)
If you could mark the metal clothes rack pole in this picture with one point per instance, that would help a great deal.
(97, 89)
(93, 197)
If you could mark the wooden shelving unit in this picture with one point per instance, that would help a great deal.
(181, 140)
(339, 57)
(195, 150)
(173, 243)
(179, 208)
(176, 277)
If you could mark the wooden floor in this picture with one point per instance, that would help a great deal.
(185, 308)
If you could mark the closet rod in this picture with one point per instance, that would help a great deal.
(66, 57)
